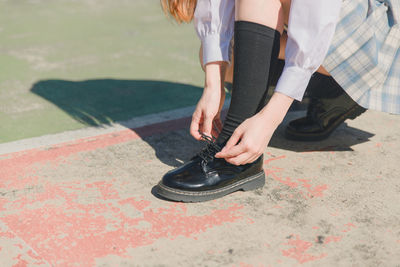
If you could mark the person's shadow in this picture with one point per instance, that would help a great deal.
(99, 102)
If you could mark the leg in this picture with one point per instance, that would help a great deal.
(336, 105)
(256, 48)
(265, 12)
(283, 40)
(329, 106)
(251, 12)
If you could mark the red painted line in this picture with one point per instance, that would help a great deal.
(100, 141)
(15, 165)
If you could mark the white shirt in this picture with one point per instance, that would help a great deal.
(310, 30)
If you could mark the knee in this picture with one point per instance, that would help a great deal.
(285, 2)
(257, 7)
(266, 12)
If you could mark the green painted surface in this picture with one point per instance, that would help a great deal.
(65, 64)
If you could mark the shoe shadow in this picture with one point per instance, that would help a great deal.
(101, 102)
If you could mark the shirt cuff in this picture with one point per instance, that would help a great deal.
(215, 49)
(293, 82)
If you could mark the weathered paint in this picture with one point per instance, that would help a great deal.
(306, 189)
(55, 222)
(298, 251)
(66, 232)
(15, 252)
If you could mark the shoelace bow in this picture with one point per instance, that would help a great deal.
(208, 152)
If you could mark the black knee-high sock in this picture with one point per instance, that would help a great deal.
(323, 86)
(256, 49)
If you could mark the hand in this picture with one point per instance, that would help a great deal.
(254, 135)
(207, 115)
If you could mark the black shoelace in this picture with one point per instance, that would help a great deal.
(208, 152)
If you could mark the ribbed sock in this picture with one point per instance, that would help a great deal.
(323, 86)
(256, 50)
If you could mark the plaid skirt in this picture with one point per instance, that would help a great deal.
(364, 57)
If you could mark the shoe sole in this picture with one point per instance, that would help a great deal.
(351, 114)
(247, 184)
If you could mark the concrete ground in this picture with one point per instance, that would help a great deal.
(83, 142)
(88, 202)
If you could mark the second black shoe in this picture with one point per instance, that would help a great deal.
(330, 106)
(205, 177)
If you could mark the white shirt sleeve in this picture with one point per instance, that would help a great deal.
(311, 27)
(214, 23)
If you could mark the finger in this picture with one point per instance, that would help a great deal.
(240, 159)
(233, 140)
(252, 159)
(232, 152)
(207, 125)
(194, 126)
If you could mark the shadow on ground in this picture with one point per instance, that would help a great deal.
(104, 101)
(101, 102)
(342, 139)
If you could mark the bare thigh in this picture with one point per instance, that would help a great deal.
(286, 10)
(266, 12)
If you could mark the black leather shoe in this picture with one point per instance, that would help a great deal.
(205, 177)
(324, 114)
